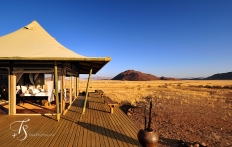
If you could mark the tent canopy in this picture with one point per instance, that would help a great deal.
(32, 42)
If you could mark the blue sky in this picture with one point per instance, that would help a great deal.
(173, 38)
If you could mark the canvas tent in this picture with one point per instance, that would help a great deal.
(32, 42)
(32, 50)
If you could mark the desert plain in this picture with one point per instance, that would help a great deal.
(187, 111)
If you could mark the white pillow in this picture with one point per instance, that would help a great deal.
(30, 91)
(31, 87)
(17, 87)
(35, 91)
(24, 89)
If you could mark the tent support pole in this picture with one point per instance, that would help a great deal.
(77, 91)
(87, 91)
(56, 92)
(63, 89)
(12, 89)
(70, 90)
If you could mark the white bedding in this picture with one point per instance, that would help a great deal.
(37, 94)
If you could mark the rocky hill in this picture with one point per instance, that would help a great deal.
(220, 76)
(132, 75)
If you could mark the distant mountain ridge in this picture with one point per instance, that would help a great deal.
(132, 75)
(98, 78)
(220, 76)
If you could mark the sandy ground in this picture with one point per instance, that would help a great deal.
(188, 111)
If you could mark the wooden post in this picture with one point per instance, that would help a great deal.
(74, 87)
(12, 89)
(70, 90)
(56, 91)
(63, 89)
(77, 85)
(111, 109)
(87, 91)
(9, 95)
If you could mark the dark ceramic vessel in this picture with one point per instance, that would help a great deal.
(148, 138)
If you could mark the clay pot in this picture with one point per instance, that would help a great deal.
(148, 138)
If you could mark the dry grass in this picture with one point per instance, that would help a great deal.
(184, 90)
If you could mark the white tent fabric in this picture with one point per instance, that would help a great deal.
(31, 78)
(33, 41)
(50, 89)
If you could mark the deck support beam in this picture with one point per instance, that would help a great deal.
(74, 87)
(78, 85)
(56, 92)
(63, 89)
(70, 90)
(87, 91)
(12, 91)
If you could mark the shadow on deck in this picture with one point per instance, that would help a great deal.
(97, 127)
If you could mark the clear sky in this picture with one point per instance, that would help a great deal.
(173, 38)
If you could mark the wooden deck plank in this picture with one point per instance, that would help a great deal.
(6, 137)
(85, 117)
(97, 127)
(38, 134)
(130, 125)
(93, 134)
(127, 128)
(65, 126)
(49, 131)
(128, 131)
(117, 128)
(58, 134)
(43, 129)
(119, 131)
(130, 128)
(105, 130)
(10, 140)
(74, 116)
(79, 131)
(74, 134)
(113, 135)
(60, 130)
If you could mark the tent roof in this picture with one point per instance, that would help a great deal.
(32, 42)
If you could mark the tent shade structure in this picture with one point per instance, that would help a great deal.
(32, 50)
(32, 42)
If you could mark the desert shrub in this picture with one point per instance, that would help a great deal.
(227, 87)
(148, 86)
(200, 86)
(217, 87)
(208, 86)
(191, 86)
(163, 86)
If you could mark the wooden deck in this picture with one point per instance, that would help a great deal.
(97, 127)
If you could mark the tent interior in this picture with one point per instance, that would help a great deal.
(34, 93)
